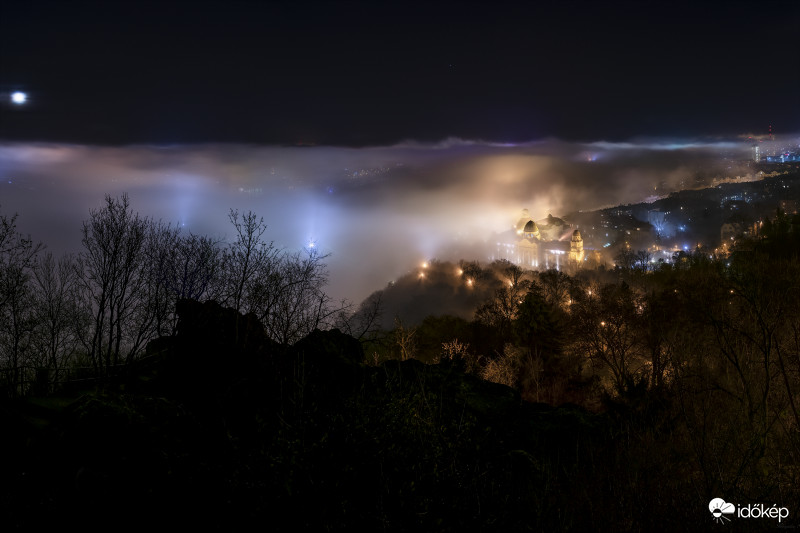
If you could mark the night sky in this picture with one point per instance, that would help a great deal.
(360, 74)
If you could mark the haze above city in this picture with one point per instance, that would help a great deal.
(432, 125)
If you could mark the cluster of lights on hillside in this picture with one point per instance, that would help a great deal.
(460, 272)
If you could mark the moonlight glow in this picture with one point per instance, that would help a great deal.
(19, 98)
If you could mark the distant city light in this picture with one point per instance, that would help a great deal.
(19, 98)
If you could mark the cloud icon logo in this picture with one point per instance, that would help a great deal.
(719, 508)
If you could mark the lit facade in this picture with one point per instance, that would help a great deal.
(548, 243)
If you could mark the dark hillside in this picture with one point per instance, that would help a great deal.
(229, 431)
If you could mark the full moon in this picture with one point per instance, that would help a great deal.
(19, 97)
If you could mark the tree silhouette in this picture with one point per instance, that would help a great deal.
(17, 258)
(112, 277)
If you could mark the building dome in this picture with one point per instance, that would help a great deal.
(530, 227)
(523, 218)
(576, 236)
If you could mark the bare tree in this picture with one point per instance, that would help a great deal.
(17, 256)
(501, 310)
(283, 289)
(248, 263)
(556, 288)
(364, 323)
(289, 298)
(643, 258)
(505, 368)
(195, 267)
(404, 339)
(154, 313)
(56, 310)
(111, 279)
(459, 352)
(472, 270)
(607, 330)
(626, 258)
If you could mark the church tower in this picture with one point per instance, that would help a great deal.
(576, 248)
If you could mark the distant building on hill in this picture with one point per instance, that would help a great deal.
(544, 244)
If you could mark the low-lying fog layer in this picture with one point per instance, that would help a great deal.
(377, 211)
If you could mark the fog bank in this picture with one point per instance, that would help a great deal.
(377, 211)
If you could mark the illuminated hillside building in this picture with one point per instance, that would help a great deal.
(576, 255)
(548, 243)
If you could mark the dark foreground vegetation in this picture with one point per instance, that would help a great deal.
(606, 400)
(224, 428)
